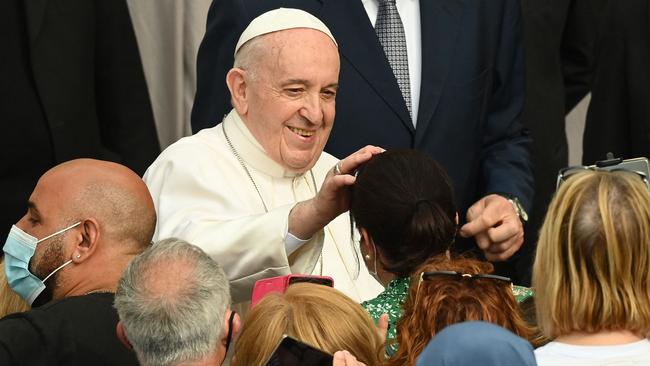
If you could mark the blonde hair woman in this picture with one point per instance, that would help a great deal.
(314, 314)
(591, 272)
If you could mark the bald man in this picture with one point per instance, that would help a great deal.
(86, 220)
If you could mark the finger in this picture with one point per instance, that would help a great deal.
(510, 227)
(350, 360)
(502, 246)
(479, 225)
(505, 255)
(373, 149)
(382, 327)
(483, 241)
(338, 359)
(475, 210)
(336, 182)
(494, 212)
(352, 162)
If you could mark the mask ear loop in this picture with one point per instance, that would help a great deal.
(49, 236)
(56, 270)
(374, 248)
(58, 232)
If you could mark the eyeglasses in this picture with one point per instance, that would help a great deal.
(565, 173)
(426, 276)
(429, 275)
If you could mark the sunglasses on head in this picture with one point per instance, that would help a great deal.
(431, 275)
(638, 166)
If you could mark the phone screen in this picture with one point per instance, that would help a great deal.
(291, 352)
(309, 279)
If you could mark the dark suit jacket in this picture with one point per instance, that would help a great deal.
(87, 69)
(82, 67)
(472, 87)
(559, 37)
(618, 119)
(471, 93)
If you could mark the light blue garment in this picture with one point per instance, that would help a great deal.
(477, 343)
(19, 250)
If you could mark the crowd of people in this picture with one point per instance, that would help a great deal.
(397, 249)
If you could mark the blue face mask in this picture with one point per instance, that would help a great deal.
(19, 250)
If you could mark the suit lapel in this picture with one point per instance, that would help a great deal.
(440, 21)
(359, 45)
(34, 13)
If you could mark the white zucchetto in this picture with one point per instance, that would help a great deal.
(281, 19)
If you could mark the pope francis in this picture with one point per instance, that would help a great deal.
(257, 192)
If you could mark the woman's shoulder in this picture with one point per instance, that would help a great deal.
(389, 301)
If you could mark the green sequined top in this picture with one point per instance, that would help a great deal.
(390, 302)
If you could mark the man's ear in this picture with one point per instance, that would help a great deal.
(236, 325)
(90, 235)
(235, 79)
(121, 335)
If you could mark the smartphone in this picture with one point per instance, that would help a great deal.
(281, 283)
(639, 166)
(291, 352)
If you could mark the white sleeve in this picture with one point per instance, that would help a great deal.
(208, 206)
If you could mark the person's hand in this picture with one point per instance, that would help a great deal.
(495, 225)
(333, 198)
(344, 358)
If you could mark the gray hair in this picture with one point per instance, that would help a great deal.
(252, 54)
(172, 300)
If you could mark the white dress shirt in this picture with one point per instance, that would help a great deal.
(409, 12)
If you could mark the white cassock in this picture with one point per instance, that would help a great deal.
(203, 195)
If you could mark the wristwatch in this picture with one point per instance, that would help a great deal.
(516, 204)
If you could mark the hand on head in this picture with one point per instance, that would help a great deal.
(332, 199)
(495, 225)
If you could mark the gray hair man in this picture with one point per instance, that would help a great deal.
(173, 301)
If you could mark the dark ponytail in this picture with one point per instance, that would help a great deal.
(404, 200)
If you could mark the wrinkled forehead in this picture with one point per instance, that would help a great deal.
(299, 53)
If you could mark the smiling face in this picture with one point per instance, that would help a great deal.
(287, 99)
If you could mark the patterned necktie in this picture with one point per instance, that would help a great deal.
(390, 32)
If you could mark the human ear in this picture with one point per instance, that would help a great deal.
(235, 79)
(236, 325)
(366, 241)
(121, 335)
(90, 235)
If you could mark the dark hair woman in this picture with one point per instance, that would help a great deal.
(402, 203)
